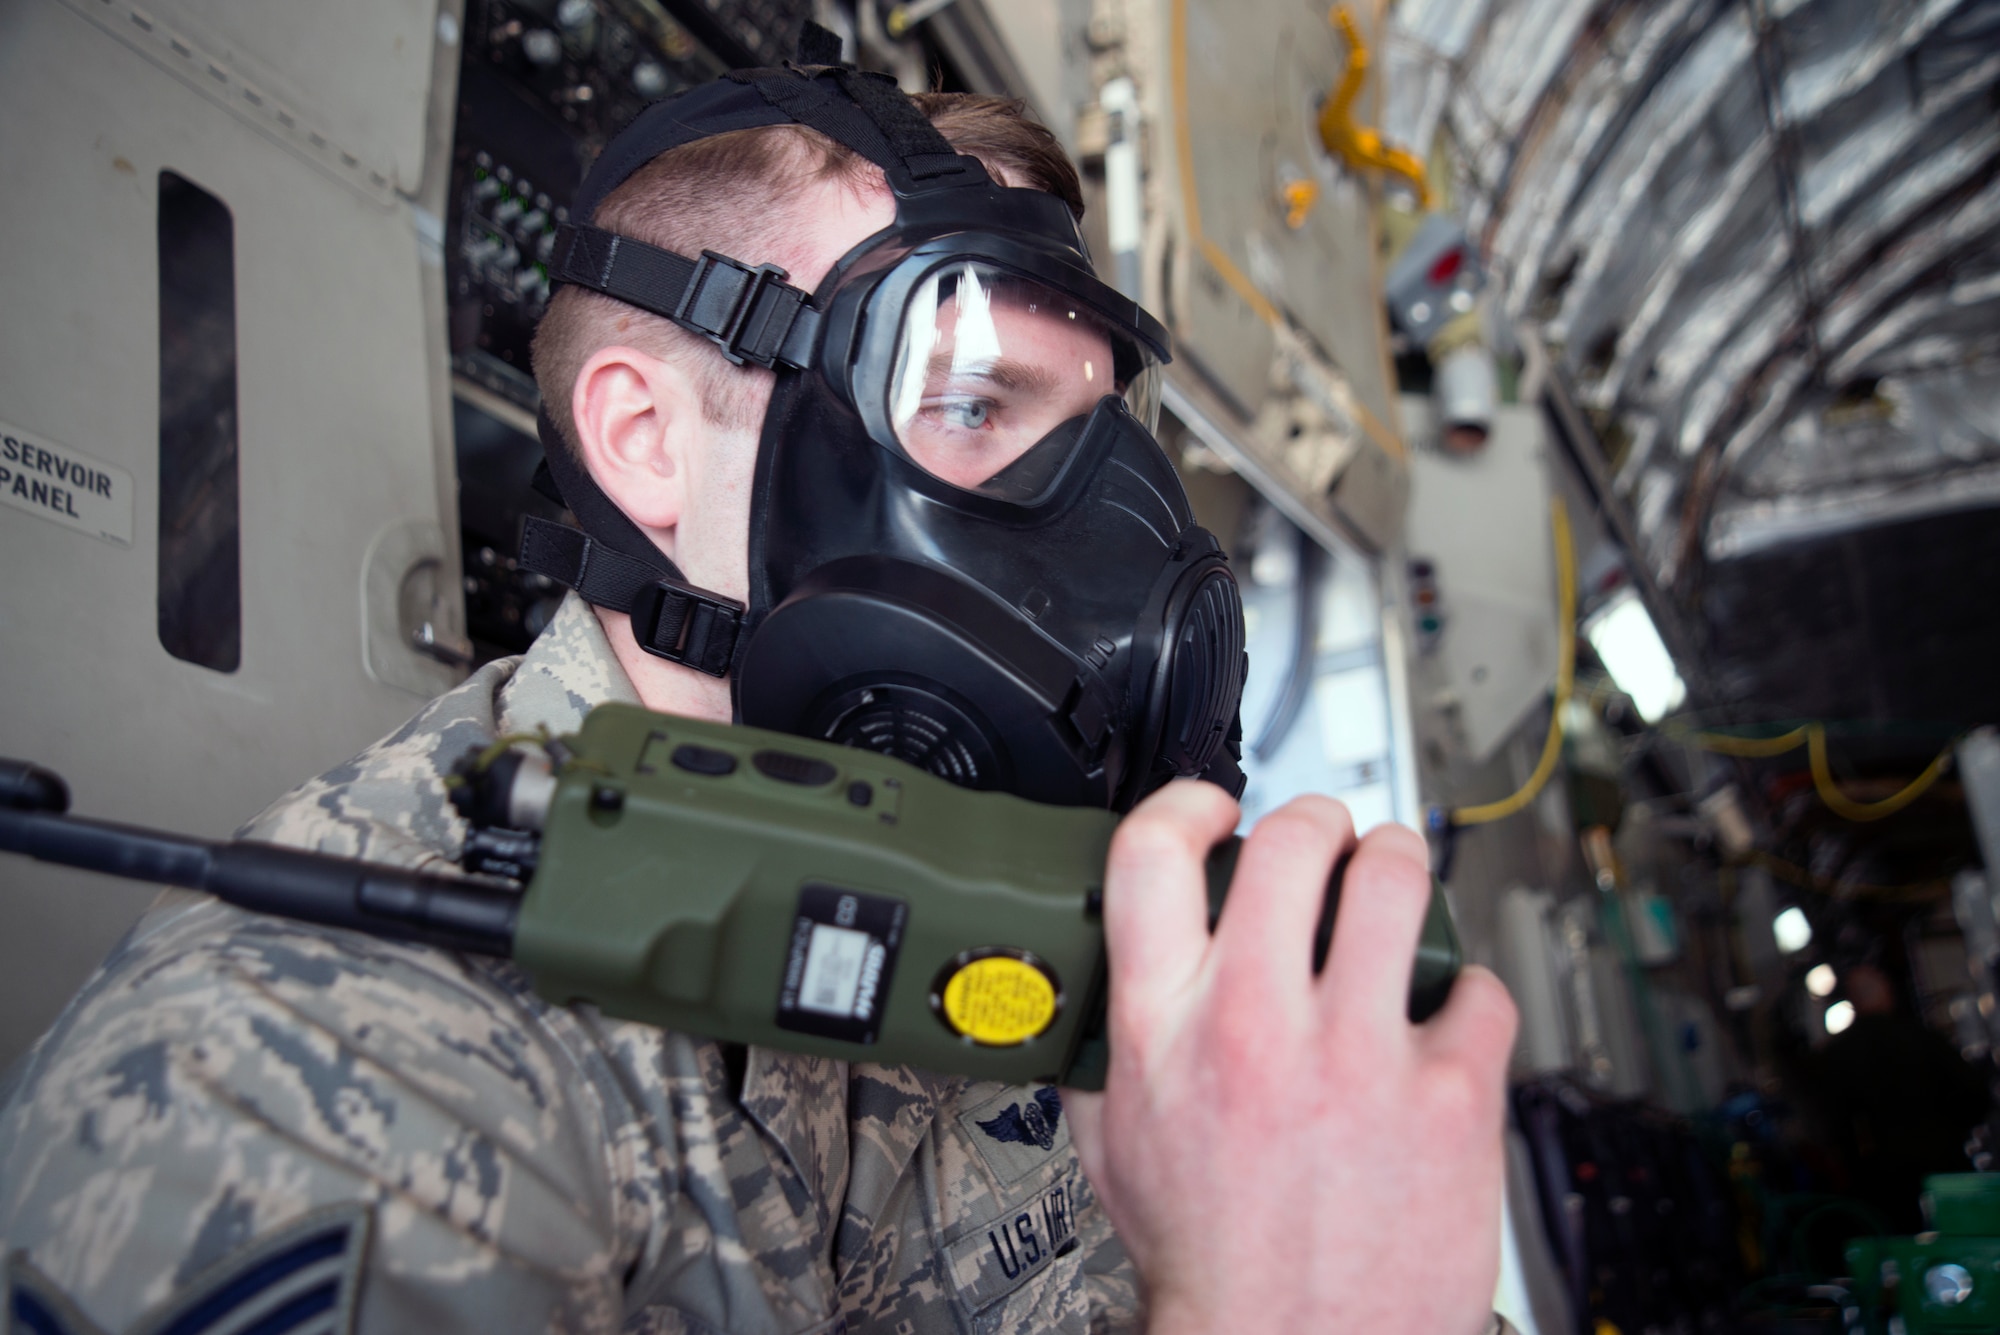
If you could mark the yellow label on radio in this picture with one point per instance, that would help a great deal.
(998, 1000)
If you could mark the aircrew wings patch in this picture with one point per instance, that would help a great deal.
(1017, 1132)
(1028, 1123)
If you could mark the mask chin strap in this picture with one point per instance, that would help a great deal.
(619, 568)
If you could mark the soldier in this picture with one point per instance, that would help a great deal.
(251, 1124)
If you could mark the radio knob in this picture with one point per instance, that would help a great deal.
(788, 767)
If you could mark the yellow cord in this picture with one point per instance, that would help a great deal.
(1359, 146)
(1799, 876)
(1565, 678)
(1843, 805)
(1749, 748)
(1813, 737)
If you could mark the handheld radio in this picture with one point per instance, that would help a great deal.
(744, 885)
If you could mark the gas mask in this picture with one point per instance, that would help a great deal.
(967, 550)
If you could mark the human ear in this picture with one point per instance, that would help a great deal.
(636, 419)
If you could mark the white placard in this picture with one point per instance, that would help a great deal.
(834, 962)
(59, 484)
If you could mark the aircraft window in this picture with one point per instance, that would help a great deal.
(200, 577)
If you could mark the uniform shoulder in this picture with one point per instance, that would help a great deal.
(195, 966)
(389, 803)
(233, 1073)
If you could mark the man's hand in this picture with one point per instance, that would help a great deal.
(1278, 1151)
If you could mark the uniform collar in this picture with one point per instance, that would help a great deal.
(890, 1112)
(568, 671)
(848, 1130)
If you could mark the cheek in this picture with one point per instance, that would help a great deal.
(734, 468)
(712, 544)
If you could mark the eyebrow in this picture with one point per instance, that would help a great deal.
(1005, 373)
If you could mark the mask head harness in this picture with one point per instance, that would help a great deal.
(966, 549)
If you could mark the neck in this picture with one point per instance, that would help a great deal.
(667, 687)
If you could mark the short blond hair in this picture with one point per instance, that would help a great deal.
(731, 193)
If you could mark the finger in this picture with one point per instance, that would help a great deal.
(1476, 1025)
(1156, 893)
(1383, 899)
(1268, 923)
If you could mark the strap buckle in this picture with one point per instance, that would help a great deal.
(745, 312)
(686, 625)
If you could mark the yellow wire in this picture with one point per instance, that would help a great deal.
(1843, 805)
(1750, 748)
(1565, 678)
(1359, 145)
(1799, 876)
(1813, 737)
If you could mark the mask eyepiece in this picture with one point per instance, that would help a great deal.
(992, 372)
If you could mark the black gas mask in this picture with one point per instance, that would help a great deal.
(966, 548)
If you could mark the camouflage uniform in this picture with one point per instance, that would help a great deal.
(412, 1139)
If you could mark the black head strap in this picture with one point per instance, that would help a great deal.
(614, 565)
(817, 45)
(871, 115)
(925, 153)
(751, 315)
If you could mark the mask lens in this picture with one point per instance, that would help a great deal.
(995, 375)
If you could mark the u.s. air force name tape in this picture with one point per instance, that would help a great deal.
(59, 484)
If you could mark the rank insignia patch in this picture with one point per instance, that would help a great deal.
(304, 1279)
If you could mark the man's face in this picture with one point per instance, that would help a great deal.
(989, 365)
(1005, 365)
(1006, 362)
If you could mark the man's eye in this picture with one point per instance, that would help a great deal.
(965, 414)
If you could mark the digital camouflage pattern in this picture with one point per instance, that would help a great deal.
(529, 1167)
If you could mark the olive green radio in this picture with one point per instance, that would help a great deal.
(747, 886)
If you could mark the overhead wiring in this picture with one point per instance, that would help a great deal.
(1487, 812)
(1843, 805)
(1750, 748)
(1812, 736)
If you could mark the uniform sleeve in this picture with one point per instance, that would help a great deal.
(228, 1076)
